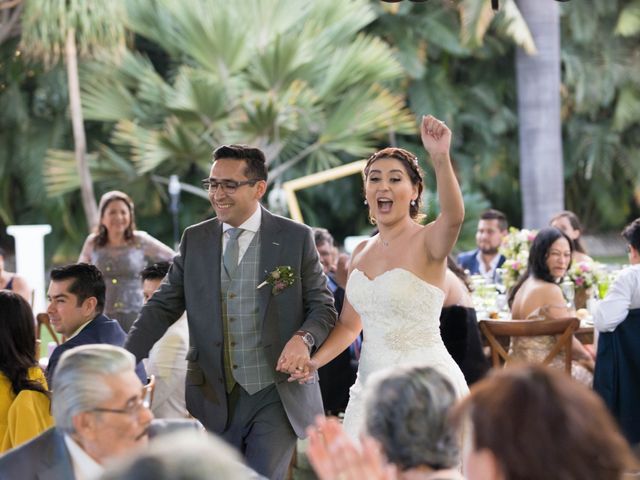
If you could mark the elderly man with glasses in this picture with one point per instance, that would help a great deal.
(101, 411)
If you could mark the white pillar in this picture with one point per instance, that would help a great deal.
(29, 240)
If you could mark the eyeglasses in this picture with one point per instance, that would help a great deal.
(133, 406)
(228, 186)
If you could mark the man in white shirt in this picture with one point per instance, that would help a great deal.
(167, 360)
(624, 293)
(101, 411)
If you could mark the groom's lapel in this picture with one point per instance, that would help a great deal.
(270, 249)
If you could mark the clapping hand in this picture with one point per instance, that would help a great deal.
(436, 136)
(334, 455)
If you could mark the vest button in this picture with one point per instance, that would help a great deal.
(231, 319)
(235, 366)
(233, 344)
(218, 344)
(232, 295)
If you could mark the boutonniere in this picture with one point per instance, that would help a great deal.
(281, 278)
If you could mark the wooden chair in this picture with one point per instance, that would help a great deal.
(564, 328)
(42, 320)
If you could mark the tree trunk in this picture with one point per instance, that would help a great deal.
(540, 133)
(79, 138)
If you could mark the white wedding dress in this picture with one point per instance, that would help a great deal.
(400, 316)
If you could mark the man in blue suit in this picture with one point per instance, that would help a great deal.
(492, 228)
(76, 300)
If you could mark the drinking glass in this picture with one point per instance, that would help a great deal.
(569, 292)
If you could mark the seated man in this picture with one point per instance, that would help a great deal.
(492, 228)
(76, 300)
(618, 359)
(101, 411)
(167, 359)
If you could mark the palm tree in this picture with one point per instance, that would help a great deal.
(59, 29)
(540, 132)
(299, 79)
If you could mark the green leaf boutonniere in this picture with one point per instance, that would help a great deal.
(281, 278)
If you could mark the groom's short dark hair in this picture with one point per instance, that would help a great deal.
(256, 162)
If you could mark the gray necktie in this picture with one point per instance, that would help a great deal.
(230, 257)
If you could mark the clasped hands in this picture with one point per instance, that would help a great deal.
(296, 361)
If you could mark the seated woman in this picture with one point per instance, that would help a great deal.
(532, 423)
(569, 224)
(459, 325)
(407, 415)
(538, 295)
(13, 281)
(24, 398)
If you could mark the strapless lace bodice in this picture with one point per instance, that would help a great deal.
(400, 316)
(399, 311)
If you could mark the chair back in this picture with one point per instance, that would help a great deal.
(563, 328)
(42, 320)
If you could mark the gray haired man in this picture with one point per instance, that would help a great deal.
(101, 411)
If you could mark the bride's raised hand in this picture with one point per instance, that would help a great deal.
(436, 136)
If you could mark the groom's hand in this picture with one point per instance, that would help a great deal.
(294, 356)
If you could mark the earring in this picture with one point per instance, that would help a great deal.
(413, 203)
(365, 202)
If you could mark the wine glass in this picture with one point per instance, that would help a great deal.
(498, 279)
(569, 292)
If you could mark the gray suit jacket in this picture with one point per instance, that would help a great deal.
(44, 458)
(193, 283)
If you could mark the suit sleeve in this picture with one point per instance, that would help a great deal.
(165, 306)
(320, 313)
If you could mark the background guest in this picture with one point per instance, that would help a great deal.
(121, 252)
(459, 325)
(537, 294)
(492, 228)
(568, 223)
(617, 318)
(76, 301)
(183, 456)
(101, 411)
(24, 397)
(167, 359)
(533, 422)
(407, 414)
(337, 376)
(13, 281)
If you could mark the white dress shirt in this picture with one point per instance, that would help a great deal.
(489, 273)
(84, 467)
(167, 361)
(249, 228)
(622, 296)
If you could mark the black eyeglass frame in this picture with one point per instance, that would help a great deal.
(228, 186)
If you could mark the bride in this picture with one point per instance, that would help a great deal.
(394, 291)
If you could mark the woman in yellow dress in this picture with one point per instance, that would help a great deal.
(24, 396)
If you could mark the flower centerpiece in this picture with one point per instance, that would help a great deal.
(515, 248)
(585, 276)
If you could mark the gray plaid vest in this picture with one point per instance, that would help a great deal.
(244, 358)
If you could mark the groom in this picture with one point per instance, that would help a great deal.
(246, 335)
